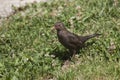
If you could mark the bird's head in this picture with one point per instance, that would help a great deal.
(59, 26)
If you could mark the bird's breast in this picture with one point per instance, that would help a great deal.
(63, 39)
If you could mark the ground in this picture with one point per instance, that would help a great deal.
(29, 50)
(6, 5)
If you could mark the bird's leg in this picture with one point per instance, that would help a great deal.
(72, 53)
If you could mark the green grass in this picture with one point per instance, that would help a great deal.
(26, 41)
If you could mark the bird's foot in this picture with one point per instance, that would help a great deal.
(74, 58)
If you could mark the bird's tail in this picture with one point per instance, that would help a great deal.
(85, 38)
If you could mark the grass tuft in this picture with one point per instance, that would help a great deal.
(27, 43)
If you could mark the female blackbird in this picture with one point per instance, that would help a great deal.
(70, 40)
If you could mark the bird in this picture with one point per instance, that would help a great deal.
(69, 40)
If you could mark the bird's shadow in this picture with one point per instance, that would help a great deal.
(65, 55)
(61, 55)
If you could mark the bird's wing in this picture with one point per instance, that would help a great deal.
(74, 39)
